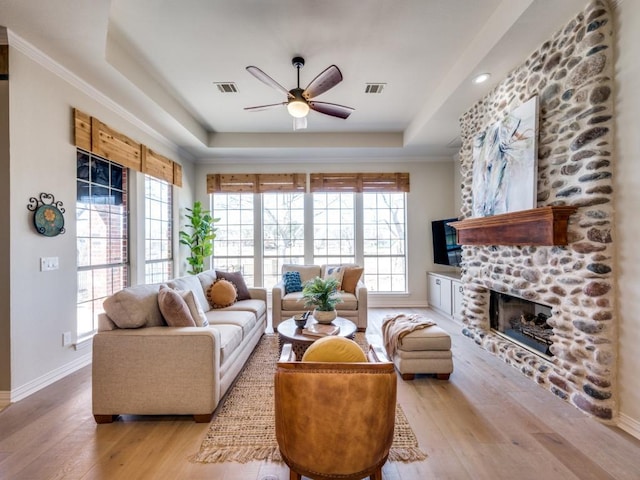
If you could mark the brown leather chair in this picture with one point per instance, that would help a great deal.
(335, 420)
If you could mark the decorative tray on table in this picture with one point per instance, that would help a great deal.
(321, 330)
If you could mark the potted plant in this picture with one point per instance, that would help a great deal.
(323, 295)
(200, 237)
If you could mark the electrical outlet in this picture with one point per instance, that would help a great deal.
(49, 263)
(66, 339)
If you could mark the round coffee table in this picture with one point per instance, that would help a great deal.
(289, 333)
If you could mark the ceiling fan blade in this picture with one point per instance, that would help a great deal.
(264, 107)
(332, 109)
(327, 79)
(266, 79)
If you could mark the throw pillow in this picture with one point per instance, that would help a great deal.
(292, 282)
(135, 307)
(194, 307)
(334, 271)
(350, 278)
(334, 349)
(237, 279)
(174, 309)
(222, 293)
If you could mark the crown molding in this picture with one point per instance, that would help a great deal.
(44, 60)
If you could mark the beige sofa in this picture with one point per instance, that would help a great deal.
(155, 369)
(285, 305)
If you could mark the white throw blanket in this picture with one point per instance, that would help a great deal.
(395, 327)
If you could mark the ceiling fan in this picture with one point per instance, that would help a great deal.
(300, 101)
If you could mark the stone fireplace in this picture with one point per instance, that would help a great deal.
(572, 74)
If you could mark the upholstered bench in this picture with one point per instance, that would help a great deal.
(425, 350)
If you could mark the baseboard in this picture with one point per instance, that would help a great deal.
(629, 425)
(5, 399)
(394, 301)
(49, 378)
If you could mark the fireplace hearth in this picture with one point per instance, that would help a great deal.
(522, 321)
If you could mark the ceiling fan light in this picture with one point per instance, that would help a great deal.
(298, 109)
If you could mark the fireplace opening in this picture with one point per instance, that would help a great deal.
(522, 321)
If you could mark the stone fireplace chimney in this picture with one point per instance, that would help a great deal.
(572, 74)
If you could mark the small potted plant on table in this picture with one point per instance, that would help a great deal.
(323, 295)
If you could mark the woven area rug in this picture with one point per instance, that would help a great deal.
(243, 427)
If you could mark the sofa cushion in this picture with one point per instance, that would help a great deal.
(307, 272)
(257, 307)
(349, 301)
(174, 308)
(222, 293)
(191, 282)
(350, 278)
(206, 279)
(135, 307)
(293, 301)
(292, 282)
(194, 307)
(230, 339)
(238, 280)
(334, 349)
(243, 319)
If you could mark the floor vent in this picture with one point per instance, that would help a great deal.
(227, 87)
(374, 87)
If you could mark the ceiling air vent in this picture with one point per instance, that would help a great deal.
(226, 87)
(374, 87)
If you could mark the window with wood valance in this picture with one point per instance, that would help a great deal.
(296, 182)
(256, 182)
(360, 182)
(92, 135)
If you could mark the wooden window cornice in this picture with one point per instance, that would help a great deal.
(94, 136)
(360, 182)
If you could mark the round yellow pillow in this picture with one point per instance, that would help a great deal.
(222, 294)
(334, 349)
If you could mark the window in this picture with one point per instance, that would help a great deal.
(233, 248)
(347, 218)
(384, 236)
(158, 230)
(334, 228)
(283, 233)
(102, 236)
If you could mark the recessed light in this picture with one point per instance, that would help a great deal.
(483, 77)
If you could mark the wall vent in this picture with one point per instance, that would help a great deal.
(374, 87)
(226, 87)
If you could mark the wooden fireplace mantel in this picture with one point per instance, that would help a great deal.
(538, 226)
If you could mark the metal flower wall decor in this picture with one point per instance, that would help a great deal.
(47, 214)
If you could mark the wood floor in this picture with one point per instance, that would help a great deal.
(486, 422)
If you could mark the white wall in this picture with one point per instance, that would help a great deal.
(430, 199)
(627, 201)
(43, 159)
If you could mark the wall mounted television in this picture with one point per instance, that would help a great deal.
(445, 249)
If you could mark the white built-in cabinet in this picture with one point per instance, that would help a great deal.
(445, 293)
